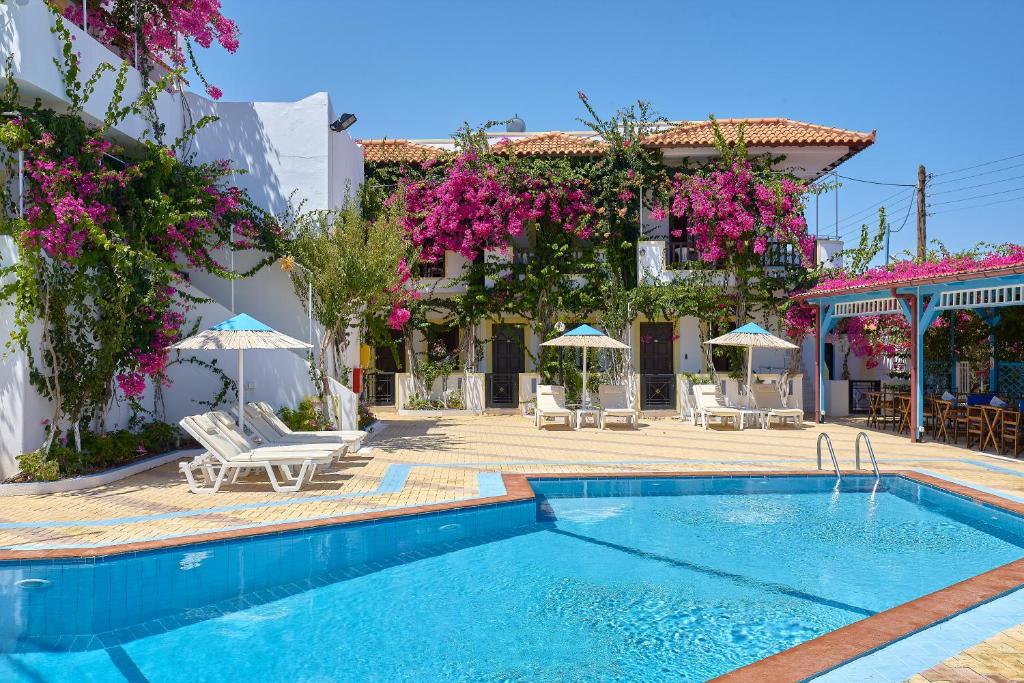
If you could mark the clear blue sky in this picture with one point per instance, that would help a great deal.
(940, 80)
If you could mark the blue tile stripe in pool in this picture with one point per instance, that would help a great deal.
(925, 649)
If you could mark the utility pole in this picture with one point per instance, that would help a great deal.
(922, 229)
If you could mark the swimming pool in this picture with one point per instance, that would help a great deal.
(621, 579)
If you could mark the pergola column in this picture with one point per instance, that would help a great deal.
(920, 318)
(992, 319)
(825, 321)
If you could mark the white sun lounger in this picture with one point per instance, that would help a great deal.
(353, 437)
(615, 404)
(246, 441)
(551, 406)
(767, 398)
(223, 454)
(709, 406)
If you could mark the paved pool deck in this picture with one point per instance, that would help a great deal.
(417, 462)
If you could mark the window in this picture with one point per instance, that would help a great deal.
(442, 341)
(430, 268)
(683, 249)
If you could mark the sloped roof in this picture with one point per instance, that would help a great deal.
(551, 144)
(760, 132)
(397, 151)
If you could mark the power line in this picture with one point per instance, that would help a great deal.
(978, 175)
(910, 207)
(977, 196)
(978, 206)
(874, 182)
(855, 229)
(873, 207)
(971, 187)
(987, 163)
(854, 220)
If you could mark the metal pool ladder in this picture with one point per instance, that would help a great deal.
(831, 453)
(856, 453)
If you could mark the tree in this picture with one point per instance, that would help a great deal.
(355, 268)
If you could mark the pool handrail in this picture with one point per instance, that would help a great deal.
(871, 453)
(831, 453)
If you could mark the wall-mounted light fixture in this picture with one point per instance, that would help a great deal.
(343, 122)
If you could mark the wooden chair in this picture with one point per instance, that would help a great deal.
(887, 412)
(928, 413)
(1010, 432)
(903, 414)
(959, 418)
(975, 425)
(943, 419)
(874, 408)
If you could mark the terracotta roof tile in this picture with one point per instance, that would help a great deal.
(761, 133)
(398, 151)
(551, 144)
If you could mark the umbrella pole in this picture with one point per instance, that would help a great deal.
(241, 390)
(750, 372)
(584, 397)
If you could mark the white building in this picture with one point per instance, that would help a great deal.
(288, 151)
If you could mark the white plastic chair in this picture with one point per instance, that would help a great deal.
(709, 406)
(615, 404)
(551, 406)
(767, 398)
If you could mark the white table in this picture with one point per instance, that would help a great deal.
(583, 414)
(758, 416)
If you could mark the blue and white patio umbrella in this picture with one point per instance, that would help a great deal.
(752, 336)
(240, 333)
(586, 337)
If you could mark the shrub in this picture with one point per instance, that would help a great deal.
(308, 417)
(99, 452)
(36, 466)
(366, 418)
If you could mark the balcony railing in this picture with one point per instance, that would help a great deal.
(680, 255)
(782, 255)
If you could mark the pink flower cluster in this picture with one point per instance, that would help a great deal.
(476, 206)
(729, 210)
(1010, 255)
(67, 195)
(152, 362)
(166, 20)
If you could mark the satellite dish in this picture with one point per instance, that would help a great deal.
(559, 327)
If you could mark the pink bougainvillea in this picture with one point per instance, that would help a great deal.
(77, 206)
(164, 23)
(729, 210)
(1009, 255)
(477, 206)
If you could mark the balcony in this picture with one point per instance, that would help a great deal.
(25, 34)
(662, 261)
(443, 276)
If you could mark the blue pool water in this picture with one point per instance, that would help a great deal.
(601, 580)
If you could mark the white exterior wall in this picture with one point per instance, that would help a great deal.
(282, 146)
(690, 353)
